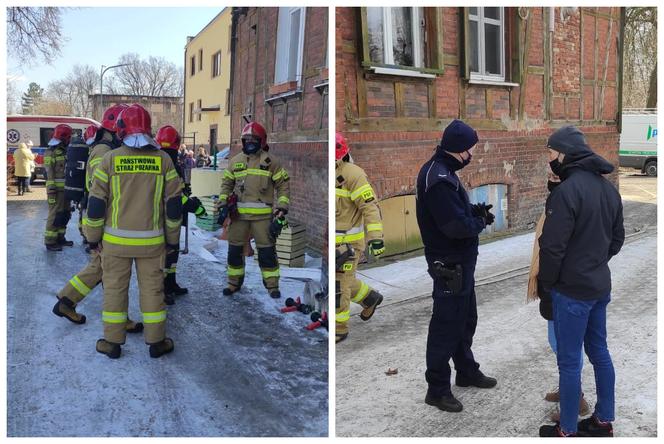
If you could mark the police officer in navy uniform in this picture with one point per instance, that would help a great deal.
(450, 226)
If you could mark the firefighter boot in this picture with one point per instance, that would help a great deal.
(369, 304)
(64, 242)
(161, 348)
(67, 309)
(133, 326)
(172, 289)
(275, 294)
(233, 288)
(54, 247)
(109, 349)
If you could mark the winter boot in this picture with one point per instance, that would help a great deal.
(553, 396)
(445, 403)
(64, 242)
(54, 247)
(480, 381)
(584, 410)
(133, 326)
(553, 431)
(275, 294)
(593, 427)
(340, 337)
(369, 304)
(109, 349)
(67, 309)
(161, 348)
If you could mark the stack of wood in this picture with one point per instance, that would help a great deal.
(209, 221)
(291, 245)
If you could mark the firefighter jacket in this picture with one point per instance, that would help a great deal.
(54, 161)
(135, 203)
(97, 152)
(356, 207)
(254, 179)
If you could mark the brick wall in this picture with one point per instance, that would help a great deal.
(296, 125)
(392, 139)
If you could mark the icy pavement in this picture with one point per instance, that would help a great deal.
(240, 368)
(510, 344)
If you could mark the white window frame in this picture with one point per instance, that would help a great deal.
(216, 60)
(481, 75)
(283, 47)
(388, 54)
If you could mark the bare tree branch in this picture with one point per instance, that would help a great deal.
(34, 33)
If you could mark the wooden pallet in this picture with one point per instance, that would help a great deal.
(291, 245)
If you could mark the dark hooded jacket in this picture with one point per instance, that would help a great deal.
(584, 222)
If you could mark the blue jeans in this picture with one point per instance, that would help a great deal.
(554, 345)
(579, 324)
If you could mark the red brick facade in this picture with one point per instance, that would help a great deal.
(393, 122)
(296, 117)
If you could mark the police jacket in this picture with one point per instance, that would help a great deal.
(135, 203)
(356, 208)
(583, 228)
(254, 179)
(450, 232)
(75, 169)
(55, 160)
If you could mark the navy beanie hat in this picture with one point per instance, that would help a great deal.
(458, 137)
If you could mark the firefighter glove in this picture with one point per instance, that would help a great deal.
(186, 189)
(200, 210)
(376, 247)
(276, 226)
(223, 214)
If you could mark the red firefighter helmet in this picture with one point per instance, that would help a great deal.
(168, 138)
(90, 134)
(255, 129)
(135, 127)
(110, 117)
(341, 147)
(61, 134)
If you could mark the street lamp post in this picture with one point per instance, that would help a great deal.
(101, 83)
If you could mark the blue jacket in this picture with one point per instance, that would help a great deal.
(449, 230)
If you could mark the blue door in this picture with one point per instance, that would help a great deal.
(496, 195)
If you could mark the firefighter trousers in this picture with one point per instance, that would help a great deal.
(349, 288)
(116, 278)
(84, 281)
(238, 233)
(58, 216)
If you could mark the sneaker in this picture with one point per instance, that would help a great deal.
(480, 381)
(592, 427)
(445, 403)
(162, 347)
(554, 431)
(372, 300)
(64, 308)
(553, 396)
(110, 349)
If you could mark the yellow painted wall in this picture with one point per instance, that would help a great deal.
(212, 91)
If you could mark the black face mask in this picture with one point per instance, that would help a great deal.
(250, 147)
(551, 185)
(556, 167)
(467, 161)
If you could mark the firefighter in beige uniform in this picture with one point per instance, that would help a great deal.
(254, 175)
(59, 213)
(135, 208)
(356, 213)
(77, 288)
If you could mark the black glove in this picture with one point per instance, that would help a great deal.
(186, 190)
(200, 209)
(284, 211)
(93, 245)
(482, 210)
(276, 226)
(223, 214)
(546, 303)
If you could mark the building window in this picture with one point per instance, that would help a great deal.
(216, 64)
(199, 106)
(486, 43)
(396, 36)
(191, 112)
(192, 71)
(290, 45)
(200, 60)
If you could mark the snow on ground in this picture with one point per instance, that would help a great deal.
(240, 368)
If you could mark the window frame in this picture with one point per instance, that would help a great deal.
(300, 52)
(216, 72)
(199, 103)
(482, 76)
(432, 45)
(200, 60)
(191, 112)
(192, 68)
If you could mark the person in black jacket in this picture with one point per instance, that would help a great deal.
(583, 230)
(450, 226)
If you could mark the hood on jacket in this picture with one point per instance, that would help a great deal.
(570, 141)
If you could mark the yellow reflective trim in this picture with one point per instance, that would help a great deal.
(365, 191)
(344, 238)
(375, 227)
(229, 175)
(172, 174)
(348, 266)
(115, 204)
(79, 286)
(114, 317)
(99, 174)
(50, 182)
(48, 233)
(283, 199)
(137, 164)
(282, 174)
(94, 162)
(47, 160)
(235, 271)
(173, 224)
(361, 293)
(157, 201)
(60, 158)
(51, 200)
(93, 222)
(270, 274)
(117, 240)
(257, 172)
(154, 317)
(339, 192)
(343, 316)
(223, 197)
(255, 210)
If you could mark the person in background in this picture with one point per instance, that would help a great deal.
(189, 163)
(23, 157)
(202, 158)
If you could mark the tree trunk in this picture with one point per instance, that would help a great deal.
(652, 89)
